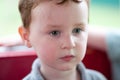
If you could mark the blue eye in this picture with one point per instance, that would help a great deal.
(55, 33)
(76, 31)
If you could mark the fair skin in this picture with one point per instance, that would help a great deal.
(58, 33)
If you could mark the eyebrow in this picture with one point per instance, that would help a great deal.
(53, 26)
(81, 25)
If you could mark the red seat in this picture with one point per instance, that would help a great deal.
(98, 60)
(16, 65)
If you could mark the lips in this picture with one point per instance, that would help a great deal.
(67, 58)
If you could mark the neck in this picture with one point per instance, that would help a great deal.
(52, 74)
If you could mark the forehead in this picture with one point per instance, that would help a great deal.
(51, 12)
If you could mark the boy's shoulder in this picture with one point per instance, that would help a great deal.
(89, 74)
(95, 75)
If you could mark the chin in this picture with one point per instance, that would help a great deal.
(66, 68)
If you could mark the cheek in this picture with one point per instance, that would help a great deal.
(81, 49)
(46, 51)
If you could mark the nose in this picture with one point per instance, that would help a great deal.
(68, 42)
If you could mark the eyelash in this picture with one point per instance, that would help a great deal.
(76, 31)
(56, 33)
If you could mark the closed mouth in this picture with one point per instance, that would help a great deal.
(67, 58)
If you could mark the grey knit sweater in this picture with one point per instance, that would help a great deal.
(86, 74)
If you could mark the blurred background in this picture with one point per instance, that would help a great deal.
(102, 12)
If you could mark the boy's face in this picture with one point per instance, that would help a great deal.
(58, 33)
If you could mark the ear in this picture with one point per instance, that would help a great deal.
(24, 33)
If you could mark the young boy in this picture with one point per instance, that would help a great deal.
(57, 30)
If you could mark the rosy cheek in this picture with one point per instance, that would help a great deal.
(48, 52)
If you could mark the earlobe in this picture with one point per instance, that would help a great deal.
(24, 33)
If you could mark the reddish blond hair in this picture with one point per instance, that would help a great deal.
(25, 7)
